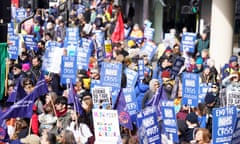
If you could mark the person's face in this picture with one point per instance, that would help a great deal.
(10, 90)
(156, 85)
(28, 88)
(204, 36)
(35, 62)
(59, 107)
(206, 71)
(234, 63)
(16, 71)
(165, 63)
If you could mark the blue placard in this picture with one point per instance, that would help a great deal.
(203, 89)
(141, 69)
(223, 124)
(149, 48)
(236, 133)
(83, 56)
(68, 69)
(71, 41)
(179, 62)
(148, 127)
(100, 55)
(132, 77)
(100, 37)
(170, 123)
(190, 84)
(30, 42)
(131, 102)
(149, 33)
(13, 47)
(20, 14)
(111, 74)
(10, 29)
(80, 8)
(188, 42)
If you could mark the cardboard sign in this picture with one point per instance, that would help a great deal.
(188, 42)
(106, 126)
(101, 97)
(131, 77)
(68, 69)
(13, 47)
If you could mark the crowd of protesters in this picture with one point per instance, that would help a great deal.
(54, 121)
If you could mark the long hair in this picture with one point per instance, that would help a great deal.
(68, 137)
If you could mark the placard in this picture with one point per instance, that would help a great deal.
(106, 126)
(188, 42)
(68, 69)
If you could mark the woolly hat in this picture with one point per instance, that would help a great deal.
(199, 60)
(26, 67)
(209, 98)
(19, 66)
(166, 74)
(168, 49)
(192, 117)
(233, 59)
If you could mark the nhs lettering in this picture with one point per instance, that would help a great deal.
(190, 88)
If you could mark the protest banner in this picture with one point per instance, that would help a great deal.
(20, 14)
(68, 69)
(52, 57)
(132, 77)
(71, 41)
(188, 42)
(233, 98)
(108, 46)
(101, 97)
(203, 89)
(100, 55)
(223, 124)
(236, 132)
(106, 126)
(100, 36)
(148, 129)
(179, 62)
(84, 53)
(131, 102)
(190, 88)
(80, 8)
(13, 47)
(141, 69)
(149, 33)
(169, 40)
(30, 42)
(10, 29)
(170, 123)
(148, 48)
(111, 74)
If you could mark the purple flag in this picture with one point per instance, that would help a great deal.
(23, 108)
(17, 94)
(157, 100)
(73, 99)
(123, 115)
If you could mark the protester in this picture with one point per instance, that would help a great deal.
(180, 87)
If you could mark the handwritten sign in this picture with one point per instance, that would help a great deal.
(106, 126)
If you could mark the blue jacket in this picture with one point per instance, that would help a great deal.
(140, 90)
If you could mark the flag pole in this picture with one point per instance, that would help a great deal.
(30, 126)
(51, 101)
(6, 76)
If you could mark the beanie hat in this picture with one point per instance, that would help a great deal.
(209, 98)
(26, 67)
(19, 66)
(199, 60)
(192, 117)
(166, 74)
(168, 49)
(233, 59)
